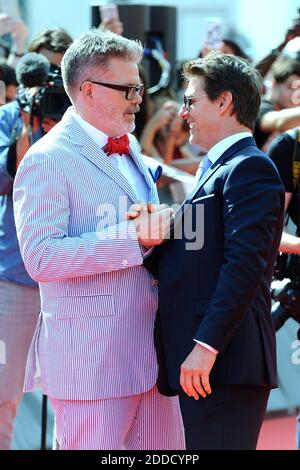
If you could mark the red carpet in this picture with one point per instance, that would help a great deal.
(278, 434)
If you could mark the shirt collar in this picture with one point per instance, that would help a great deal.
(218, 149)
(99, 137)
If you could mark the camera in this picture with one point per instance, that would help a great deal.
(286, 293)
(50, 100)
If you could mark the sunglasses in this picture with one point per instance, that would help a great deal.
(188, 101)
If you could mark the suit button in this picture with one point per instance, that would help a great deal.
(124, 262)
(155, 282)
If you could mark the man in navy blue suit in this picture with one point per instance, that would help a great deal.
(214, 333)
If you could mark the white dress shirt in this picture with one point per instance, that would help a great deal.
(123, 162)
(218, 149)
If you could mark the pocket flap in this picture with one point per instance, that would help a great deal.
(203, 198)
(101, 305)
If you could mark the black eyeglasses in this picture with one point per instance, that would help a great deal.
(131, 91)
(188, 101)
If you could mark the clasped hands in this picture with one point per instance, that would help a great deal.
(153, 222)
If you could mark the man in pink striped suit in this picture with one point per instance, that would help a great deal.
(93, 352)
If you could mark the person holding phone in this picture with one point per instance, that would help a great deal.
(110, 19)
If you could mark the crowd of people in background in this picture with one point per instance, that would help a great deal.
(154, 123)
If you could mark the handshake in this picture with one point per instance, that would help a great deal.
(153, 222)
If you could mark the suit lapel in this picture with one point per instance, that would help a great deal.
(137, 158)
(208, 174)
(246, 142)
(102, 161)
(88, 148)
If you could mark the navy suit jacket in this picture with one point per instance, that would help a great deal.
(218, 293)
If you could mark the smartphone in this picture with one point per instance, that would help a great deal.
(213, 32)
(109, 13)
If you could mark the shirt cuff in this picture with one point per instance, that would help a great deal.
(207, 346)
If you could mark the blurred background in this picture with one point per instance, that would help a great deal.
(263, 24)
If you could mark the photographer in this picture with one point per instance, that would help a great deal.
(8, 77)
(22, 122)
(285, 153)
(52, 43)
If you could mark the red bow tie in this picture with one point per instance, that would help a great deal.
(117, 145)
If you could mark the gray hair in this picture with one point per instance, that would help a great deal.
(93, 49)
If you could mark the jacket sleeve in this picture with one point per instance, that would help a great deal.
(6, 180)
(42, 211)
(253, 207)
(9, 120)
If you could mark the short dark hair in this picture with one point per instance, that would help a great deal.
(54, 40)
(284, 68)
(7, 74)
(226, 72)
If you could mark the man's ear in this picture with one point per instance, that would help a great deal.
(225, 102)
(87, 90)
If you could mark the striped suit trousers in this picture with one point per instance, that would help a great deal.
(148, 421)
